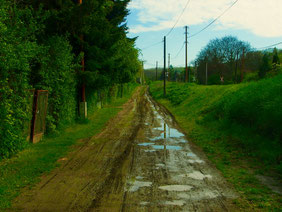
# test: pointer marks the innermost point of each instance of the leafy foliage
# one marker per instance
(222, 57)
(17, 49)
(265, 66)
(56, 74)
(41, 47)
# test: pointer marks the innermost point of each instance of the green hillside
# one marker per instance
(238, 126)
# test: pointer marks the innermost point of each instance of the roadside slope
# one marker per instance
(237, 150)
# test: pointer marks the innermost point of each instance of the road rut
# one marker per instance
(140, 162)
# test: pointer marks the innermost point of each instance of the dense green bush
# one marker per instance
(57, 75)
(41, 47)
(257, 105)
(252, 76)
(177, 92)
(18, 48)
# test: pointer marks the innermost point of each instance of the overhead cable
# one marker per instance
(179, 51)
(178, 18)
(152, 45)
(214, 20)
(266, 47)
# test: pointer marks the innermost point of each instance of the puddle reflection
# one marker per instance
(171, 132)
(146, 144)
(176, 187)
(168, 147)
(134, 186)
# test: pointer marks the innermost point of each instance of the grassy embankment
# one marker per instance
(238, 127)
(25, 169)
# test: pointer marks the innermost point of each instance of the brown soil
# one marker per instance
(140, 162)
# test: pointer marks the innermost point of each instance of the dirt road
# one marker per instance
(140, 162)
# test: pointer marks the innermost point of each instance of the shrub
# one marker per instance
(257, 105)
(18, 48)
(56, 74)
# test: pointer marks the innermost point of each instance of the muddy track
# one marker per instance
(140, 162)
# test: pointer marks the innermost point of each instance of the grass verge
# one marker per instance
(226, 143)
(28, 166)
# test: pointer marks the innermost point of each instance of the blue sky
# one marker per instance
(258, 22)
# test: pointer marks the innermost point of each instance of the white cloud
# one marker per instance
(262, 17)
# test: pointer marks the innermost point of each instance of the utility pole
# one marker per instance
(164, 66)
(243, 65)
(156, 70)
(206, 73)
(83, 103)
(195, 71)
(186, 57)
(142, 74)
(168, 67)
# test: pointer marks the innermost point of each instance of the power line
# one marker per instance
(214, 20)
(266, 47)
(152, 45)
(179, 51)
(178, 18)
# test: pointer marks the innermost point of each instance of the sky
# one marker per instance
(258, 22)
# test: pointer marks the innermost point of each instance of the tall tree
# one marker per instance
(275, 59)
(265, 66)
(221, 54)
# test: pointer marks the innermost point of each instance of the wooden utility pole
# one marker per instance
(243, 65)
(142, 74)
(195, 71)
(83, 103)
(186, 57)
(156, 70)
(164, 66)
(168, 68)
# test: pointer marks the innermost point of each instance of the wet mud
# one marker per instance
(140, 162)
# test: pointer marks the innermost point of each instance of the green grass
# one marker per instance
(25, 169)
(214, 118)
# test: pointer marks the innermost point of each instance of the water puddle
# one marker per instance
(149, 150)
(191, 154)
(168, 132)
(174, 133)
(157, 138)
(205, 194)
(183, 141)
(146, 144)
(144, 203)
(196, 175)
(135, 185)
(176, 187)
(168, 147)
(175, 202)
(196, 161)
(194, 158)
